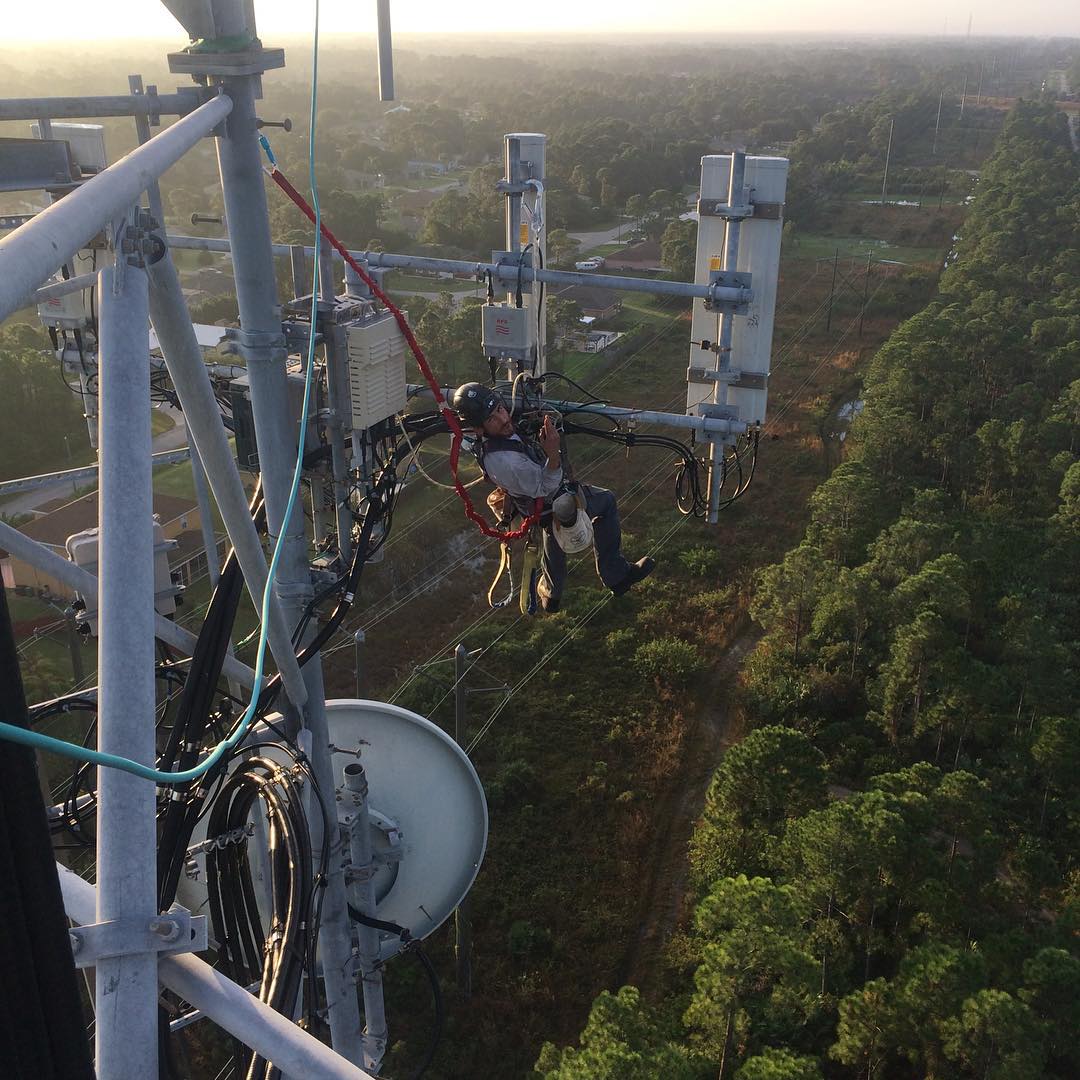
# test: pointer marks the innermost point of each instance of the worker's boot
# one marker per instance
(638, 572)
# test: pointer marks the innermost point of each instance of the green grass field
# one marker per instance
(160, 422)
(820, 246)
(603, 249)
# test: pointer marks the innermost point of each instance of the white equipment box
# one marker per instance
(376, 370)
(82, 550)
(506, 333)
(87, 142)
(71, 312)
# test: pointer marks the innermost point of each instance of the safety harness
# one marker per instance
(518, 504)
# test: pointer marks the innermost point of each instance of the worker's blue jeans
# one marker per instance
(611, 566)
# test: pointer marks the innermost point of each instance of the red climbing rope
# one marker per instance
(448, 414)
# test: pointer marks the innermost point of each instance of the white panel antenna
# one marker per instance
(764, 190)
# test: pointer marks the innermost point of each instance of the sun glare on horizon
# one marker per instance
(126, 19)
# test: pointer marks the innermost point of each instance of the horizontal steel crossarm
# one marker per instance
(77, 108)
(231, 1007)
(22, 547)
(89, 472)
(506, 274)
(704, 425)
(37, 249)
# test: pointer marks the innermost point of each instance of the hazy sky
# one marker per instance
(144, 18)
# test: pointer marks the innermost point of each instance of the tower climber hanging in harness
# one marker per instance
(526, 469)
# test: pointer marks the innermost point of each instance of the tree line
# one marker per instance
(886, 864)
(37, 406)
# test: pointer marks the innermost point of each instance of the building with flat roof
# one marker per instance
(180, 521)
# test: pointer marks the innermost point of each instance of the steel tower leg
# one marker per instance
(183, 358)
(276, 437)
(127, 985)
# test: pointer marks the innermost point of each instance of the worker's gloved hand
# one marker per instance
(496, 502)
(549, 437)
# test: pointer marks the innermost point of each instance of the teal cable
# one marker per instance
(112, 761)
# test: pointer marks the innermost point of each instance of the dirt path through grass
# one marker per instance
(664, 900)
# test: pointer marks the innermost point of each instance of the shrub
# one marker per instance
(670, 659)
(527, 941)
(701, 561)
(515, 782)
(620, 643)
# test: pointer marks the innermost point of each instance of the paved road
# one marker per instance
(590, 240)
(173, 439)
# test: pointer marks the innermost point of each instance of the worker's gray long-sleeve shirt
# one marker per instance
(520, 475)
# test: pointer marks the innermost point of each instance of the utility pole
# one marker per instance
(338, 414)
(358, 640)
(937, 123)
(865, 291)
(70, 465)
(832, 291)
(963, 96)
(78, 671)
(888, 155)
(462, 929)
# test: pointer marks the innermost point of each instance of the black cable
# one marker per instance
(437, 1001)
(282, 955)
(688, 485)
(380, 505)
(412, 945)
(186, 738)
(519, 300)
(182, 749)
(592, 398)
(60, 358)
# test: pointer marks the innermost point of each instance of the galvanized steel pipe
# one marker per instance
(271, 1035)
(503, 273)
(37, 249)
(126, 985)
(81, 108)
